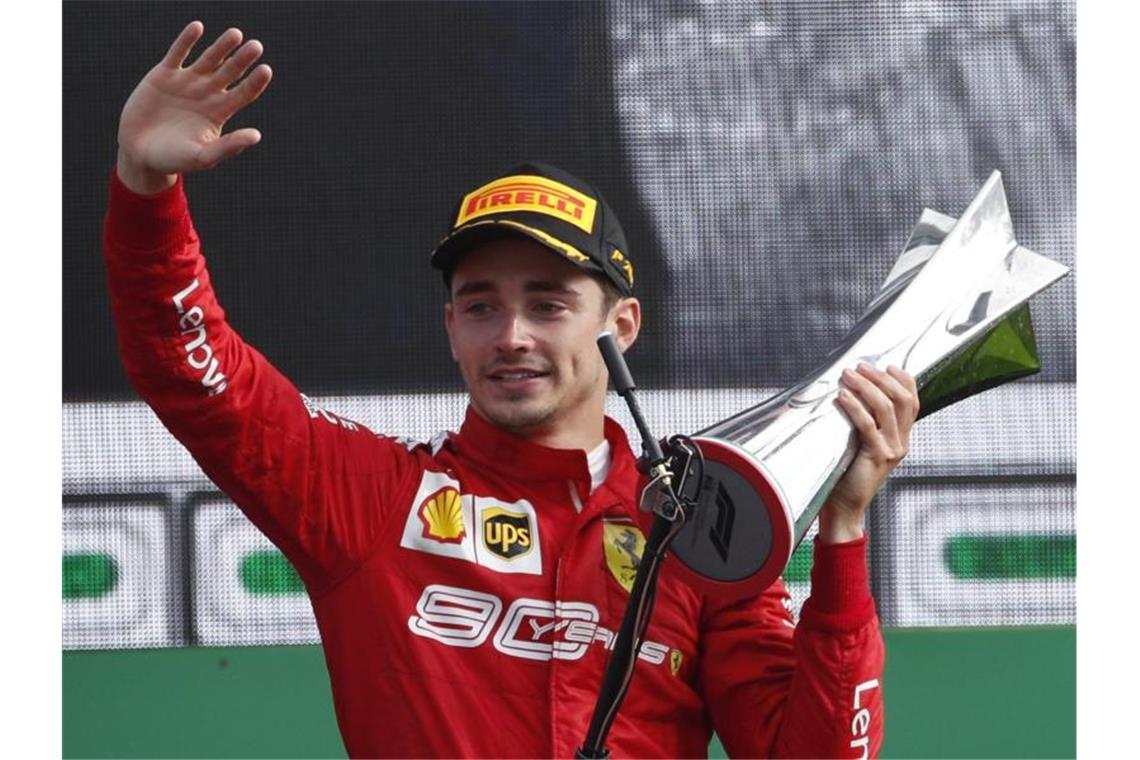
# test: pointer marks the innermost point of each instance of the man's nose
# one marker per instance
(514, 335)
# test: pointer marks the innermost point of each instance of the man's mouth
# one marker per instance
(516, 375)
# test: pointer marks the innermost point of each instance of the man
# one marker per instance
(467, 590)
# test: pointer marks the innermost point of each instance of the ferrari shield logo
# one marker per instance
(624, 544)
(675, 660)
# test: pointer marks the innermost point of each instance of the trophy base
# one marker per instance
(738, 539)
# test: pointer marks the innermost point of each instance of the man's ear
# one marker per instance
(449, 325)
(625, 322)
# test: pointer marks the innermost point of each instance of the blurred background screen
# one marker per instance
(767, 161)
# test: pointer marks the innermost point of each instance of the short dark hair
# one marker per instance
(610, 294)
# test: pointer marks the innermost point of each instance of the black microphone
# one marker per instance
(615, 363)
(624, 385)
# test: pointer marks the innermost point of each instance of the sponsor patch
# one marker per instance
(509, 541)
(506, 533)
(442, 516)
(199, 352)
(623, 544)
(482, 530)
(527, 192)
(530, 629)
(433, 525)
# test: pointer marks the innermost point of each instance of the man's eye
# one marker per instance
(477, 308)
(549, 307)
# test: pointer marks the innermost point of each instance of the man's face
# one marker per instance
(522, 324)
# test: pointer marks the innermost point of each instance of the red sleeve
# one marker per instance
(315, 484)
(812, 690)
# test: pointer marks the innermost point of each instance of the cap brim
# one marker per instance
(447, 253)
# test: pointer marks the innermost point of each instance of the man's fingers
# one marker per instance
(904, 377)
(249, 89)
(183, 44)
(865, 383)
(889, 384)
(213, 56)
(907, 381)
(227, 146)
(900, 387)
(236, 65)
(860, 417)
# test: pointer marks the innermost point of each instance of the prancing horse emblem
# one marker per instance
(624, 544)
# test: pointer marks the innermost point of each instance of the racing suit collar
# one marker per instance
(523, 460)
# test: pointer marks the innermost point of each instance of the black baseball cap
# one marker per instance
(548, 205)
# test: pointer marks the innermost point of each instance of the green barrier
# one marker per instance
(1000, 557)
(89, 575)
(989, 692)
(992, 692)
(268, 573)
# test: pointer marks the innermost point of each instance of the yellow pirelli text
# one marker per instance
(527, 192)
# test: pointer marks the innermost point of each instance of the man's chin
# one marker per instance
(517, 416)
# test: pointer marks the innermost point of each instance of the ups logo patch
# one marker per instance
(506, 533)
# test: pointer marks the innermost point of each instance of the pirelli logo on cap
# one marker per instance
(527, 192)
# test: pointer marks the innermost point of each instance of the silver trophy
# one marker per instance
(953, 312)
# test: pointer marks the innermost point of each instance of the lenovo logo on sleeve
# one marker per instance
(861, 721)
(199, 353)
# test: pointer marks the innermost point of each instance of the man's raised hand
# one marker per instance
(172, 122)
(882, 407)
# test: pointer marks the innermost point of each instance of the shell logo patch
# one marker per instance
(506, 533)
(442, 516)
(675, 661)
(623, 544)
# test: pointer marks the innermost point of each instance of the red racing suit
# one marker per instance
(464, 602)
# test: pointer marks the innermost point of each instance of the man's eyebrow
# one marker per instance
(475, 286)
(548, 286)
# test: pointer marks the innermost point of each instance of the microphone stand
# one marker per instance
(670, 510)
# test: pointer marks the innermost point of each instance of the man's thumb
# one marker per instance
(228, 146)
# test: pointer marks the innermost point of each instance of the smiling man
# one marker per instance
(531, 286)
(468, 590)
